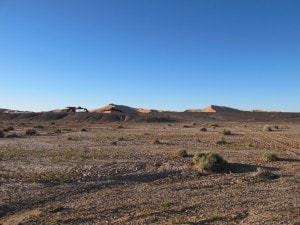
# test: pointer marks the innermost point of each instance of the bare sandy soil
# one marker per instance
(128, 173)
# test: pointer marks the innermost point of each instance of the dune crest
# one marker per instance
(122, 109)
(214, 109)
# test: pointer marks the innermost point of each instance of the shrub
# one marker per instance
(276, 127)
(264, 174)
(57, 131)
(267, 128)
(14, 135)
(113, 143)
(221, 142)
(1, 134)
(186, 126)
(120, 126)
(84, 130)
(8, 129)
(156, 141)
(214, 125)
(225, 132)
(39, 126)
(208, 161)
(30, 132)
(203, 129)
(269, 157)
(181, 153)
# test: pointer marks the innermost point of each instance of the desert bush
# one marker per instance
(30, 132)
(8, 129)
(267, 128)
(269, 157)
(276, 127)
(264, 174)
(181, 153)
(225, 132)
(221, 142)
(156, 141)
(121, 139)
(113, 143)
(203, 129)
(208, 161)
(120, 126)
(214, 125)
(57, 131)
(14, 135)
(2, 134)
(84, 130)
(186, 126)
(39, 127)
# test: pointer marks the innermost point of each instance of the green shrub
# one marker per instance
(276, 127)
(30, 132)
(269, 157)
(225, 132)
(208, 161)
(39, 127)
(181, 153)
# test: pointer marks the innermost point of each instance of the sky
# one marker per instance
(156, 54)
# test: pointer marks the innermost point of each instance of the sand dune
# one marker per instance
(214, 108)
(122, 109)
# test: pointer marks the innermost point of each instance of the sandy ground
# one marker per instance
(128, 174)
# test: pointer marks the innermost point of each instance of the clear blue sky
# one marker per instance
(161, 54)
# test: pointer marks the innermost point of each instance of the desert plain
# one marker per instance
(83, 168)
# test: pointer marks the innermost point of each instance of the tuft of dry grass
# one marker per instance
(181, 153)
(269, 157)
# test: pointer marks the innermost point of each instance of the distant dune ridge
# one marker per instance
(214, 109)
(114, 108)
(110, 108)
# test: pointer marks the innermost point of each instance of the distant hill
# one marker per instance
(11, 111)
(110, 108)
(214, 109)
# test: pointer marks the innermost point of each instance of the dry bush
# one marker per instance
(181, 153)
(156, 141)
(2, 134)
(225, 132)
(269, 157)
(264, 174)
(267, 128)
(208, 161)
(30, 132)
(8, 129)
(203, 129)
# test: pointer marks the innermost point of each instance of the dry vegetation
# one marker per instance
(143, 173)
